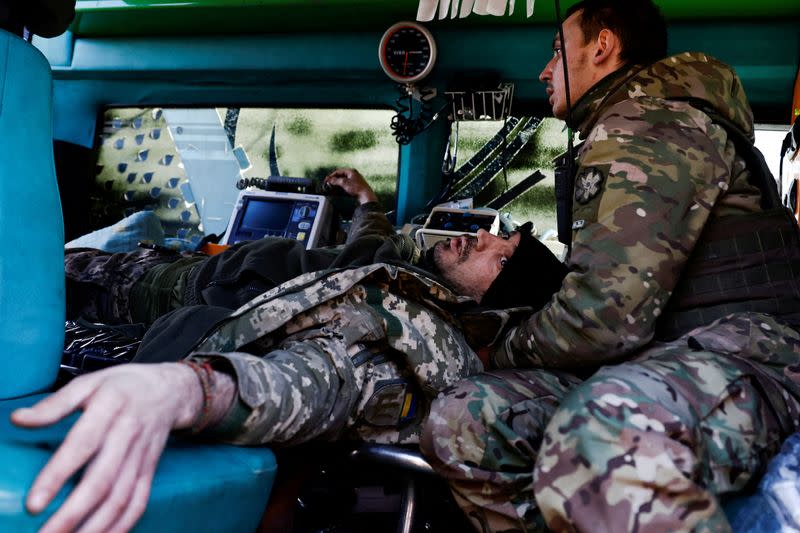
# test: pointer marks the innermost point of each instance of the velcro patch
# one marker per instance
(588, 184)
(392, 404)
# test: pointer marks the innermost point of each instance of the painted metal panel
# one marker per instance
(140, 17)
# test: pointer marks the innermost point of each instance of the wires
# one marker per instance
(258, 183)
(404, 126)
(451, 151)
(565, 185)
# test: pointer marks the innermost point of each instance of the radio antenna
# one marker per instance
(565, 218)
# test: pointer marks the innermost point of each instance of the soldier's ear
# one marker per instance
(607, 48)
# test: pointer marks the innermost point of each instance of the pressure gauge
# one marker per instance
(407, 52)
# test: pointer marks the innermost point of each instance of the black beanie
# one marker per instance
(529, 278)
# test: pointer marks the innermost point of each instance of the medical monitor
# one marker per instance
(258, 214)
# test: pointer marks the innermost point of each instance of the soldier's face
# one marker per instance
(470, 264)
(580, 75)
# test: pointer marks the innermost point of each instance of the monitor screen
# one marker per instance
(258, 214)
(270, 215)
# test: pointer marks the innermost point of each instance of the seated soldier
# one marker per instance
(323, 344)
(664, 372)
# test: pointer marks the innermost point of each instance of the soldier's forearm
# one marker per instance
(289, 397)
(224, 394)
(369, 219)
(208, 395)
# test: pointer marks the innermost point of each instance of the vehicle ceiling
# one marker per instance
(143, 17)
(302, 53)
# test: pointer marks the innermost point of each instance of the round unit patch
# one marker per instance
(588, 183)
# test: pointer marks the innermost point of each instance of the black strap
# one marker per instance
(779, 236)
(565, 171)
(760, 175)
(753, 270)
(513, 193)
(674, 325)
(742, 279)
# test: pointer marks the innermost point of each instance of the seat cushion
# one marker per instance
(197, 487)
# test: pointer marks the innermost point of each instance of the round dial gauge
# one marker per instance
(407, 52)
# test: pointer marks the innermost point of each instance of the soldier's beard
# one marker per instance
(430, 261)
(437, 264)
(435, 253)
(468, 246)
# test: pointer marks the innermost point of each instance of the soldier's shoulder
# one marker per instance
(647, 120)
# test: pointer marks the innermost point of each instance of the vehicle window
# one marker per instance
(180, 162)
(769, 139)
(548, 141)
(526, 149)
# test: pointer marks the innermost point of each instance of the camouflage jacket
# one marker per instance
(652, 170)
(356, 352)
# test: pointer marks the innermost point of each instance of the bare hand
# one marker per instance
(128, 412)
(353, 183)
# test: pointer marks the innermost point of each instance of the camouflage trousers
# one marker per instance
(645, 445)
(128, 287)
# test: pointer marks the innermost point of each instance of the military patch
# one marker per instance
(588, 184)
(389, 405)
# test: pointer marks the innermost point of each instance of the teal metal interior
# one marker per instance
(149, 17)
(290, 53)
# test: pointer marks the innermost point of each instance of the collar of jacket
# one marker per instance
(603, 93)
(687, 76)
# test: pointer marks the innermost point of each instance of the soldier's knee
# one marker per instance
(595, 432)
(447, 422)
(562, 462)
(490, 417)
(585, 426)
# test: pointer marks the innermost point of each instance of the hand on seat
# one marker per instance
(128, 412)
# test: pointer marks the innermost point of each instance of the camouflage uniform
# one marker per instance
(353, 353)
(659, 427)
(100, 284)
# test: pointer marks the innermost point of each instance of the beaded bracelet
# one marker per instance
(204, 373)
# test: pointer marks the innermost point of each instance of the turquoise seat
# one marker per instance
(31, 228)
(211, 488)
(197, 487)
